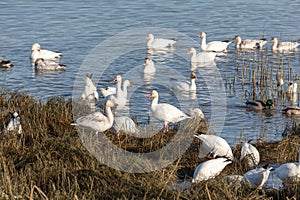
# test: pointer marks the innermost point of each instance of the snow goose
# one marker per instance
(37, 52)
(124, 124)
(289, 171)
(279, 80)
(248, 44)
(5, 63)
(257, 105)
(257, 177)
(185, 86)
(215, 146)
(216, 46)
(96, 120)
(250, 153)
(15, 123)
(165, 112)
(283, 46)
(209, 169)
(149, 67)
(90, 90)
(48, 65)
(108, 91)
(202, 57)
(158, 43)
(118, 89)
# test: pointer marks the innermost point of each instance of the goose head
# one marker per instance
(118, 79)
(153, 94)
(274, 40)
(192, 51)
(202, 35)
(150, 37)
(147, 62)
(237, 39)
(36, 46)
(110, 103)
(193, 75)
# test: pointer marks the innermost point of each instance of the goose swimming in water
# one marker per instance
(248, 44)
(48, 65)
(283, 46)
(159, 43)
(37, 52)
(215, 46)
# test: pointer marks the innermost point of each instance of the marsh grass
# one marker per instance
(49, 161)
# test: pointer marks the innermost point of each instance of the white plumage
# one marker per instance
(202, 57)
(292, 88)
(165, 112)
(248, 44)
(37, 52)
(90, 90)
(288, 170)
(48, 65)
(216, 46)
(158, 43)
(209, 169)
(14, 124)
(283, 46)
(97, 121)
(215, 145)
(125, 124)
(257, 177)
(185, 86)
(149, 67)
(250, 153)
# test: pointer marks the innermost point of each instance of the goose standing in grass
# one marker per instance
(209, 169)
(289, 171)
(90, 90)
(250, 153)
(14, 124)
(202, 57)
(257, 177)
(165, 112)
(5, 64)
(215, 46)
(159, 43)
(248, 44)
(97, 121)
(124, 124)
(283, 46)
(185, 86)
(149, 67)
(215, 146)
(48, 65)
(37, 52)
(257, 105)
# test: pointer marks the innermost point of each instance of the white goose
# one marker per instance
(292, 88)
(90, 90)
(113, 90)
(48, 65)
(248, 44)
(149, 67)
(15, 123)
(158, 43)
(257, 177)
(283, 46)
(125, 124)
(209, 169)
(185, 86)
(165, 112)
(202, 57)
(37, 52)
(288, 170)
(249, 152)
(216, 46)
(97, 121)
(108, 91)
(215, 145)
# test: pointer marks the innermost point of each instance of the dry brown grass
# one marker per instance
(48, 161)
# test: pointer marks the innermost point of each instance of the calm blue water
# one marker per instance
(75, 28)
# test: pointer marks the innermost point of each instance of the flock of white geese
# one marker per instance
(116, 97)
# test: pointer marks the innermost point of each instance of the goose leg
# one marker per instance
(166, 128)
